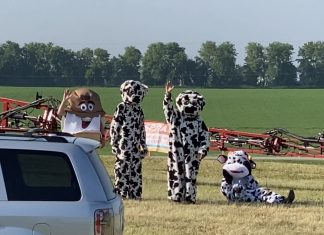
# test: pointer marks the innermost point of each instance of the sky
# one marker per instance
(116, 24)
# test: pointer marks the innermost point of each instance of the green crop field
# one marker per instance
(256, 110)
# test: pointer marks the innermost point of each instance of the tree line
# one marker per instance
(46, 64)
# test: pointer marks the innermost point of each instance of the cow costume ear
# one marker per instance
(253, 164)
(222, 158)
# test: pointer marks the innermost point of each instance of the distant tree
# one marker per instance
(154, 69)
(85, 60)
(241, 76)
(176, 59)
(222, 62)
(37, 58)
(11, 61)
(126, 66)
(311, 64)
(225, 65)
(207, 55)
(197, 72)
(131, 61)
(254, 68)
(215, 65)
(117, 74)
(163, 62)
(101, 67)
(95, 65)
(280, 69)
(63, 66)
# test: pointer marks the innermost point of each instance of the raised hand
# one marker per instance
(169, 87)
(67, 95)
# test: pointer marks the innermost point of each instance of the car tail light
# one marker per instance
(104, 222)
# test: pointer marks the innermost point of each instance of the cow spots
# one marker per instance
(129, 139)
(188, 137)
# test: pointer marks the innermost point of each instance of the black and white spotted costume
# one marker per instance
(128, 140)
(239, 185)
(189, 140)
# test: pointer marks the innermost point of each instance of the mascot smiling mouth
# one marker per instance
(236, 172)
(85, 122)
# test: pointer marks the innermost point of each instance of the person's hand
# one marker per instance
(102, 142)
(67, 95)
(143, 153)
(237, 188)
(114, 150)
(169, 87)
(201, 156)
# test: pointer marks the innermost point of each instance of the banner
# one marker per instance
(157, 136)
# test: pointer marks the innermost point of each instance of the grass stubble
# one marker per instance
(212, 214)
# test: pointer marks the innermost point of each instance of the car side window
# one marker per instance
(31, 175)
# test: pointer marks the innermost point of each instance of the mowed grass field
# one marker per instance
(254, 110)
(213, 215)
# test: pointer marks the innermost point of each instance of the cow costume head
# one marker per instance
(236, 165)
(86, 105)
(190, 103)
(133, 91)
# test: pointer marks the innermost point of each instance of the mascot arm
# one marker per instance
(252, 183)
(232, 192)
(227, 189)
(143, 136)
(168, 108)
(204, 136)
(115, 127)
(102, 126)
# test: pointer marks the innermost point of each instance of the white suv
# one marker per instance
(56, 185)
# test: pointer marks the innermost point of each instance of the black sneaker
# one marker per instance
(188, 201)
(291, 197)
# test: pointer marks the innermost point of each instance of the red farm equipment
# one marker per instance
(21, 116)
(276, 142)
(41, 115)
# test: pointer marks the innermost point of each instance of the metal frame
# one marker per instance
(277, 142)
(18, 116)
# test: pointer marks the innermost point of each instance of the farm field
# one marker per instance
(254, 110)
(301, 111)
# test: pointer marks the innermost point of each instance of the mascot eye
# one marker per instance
(90, 106)
(186, 102)
(83, 107)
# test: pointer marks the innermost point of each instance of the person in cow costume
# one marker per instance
(189, 143)
(128, 140)
(239, 185)
(82, 114)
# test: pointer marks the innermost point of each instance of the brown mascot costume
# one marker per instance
(82, 114)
